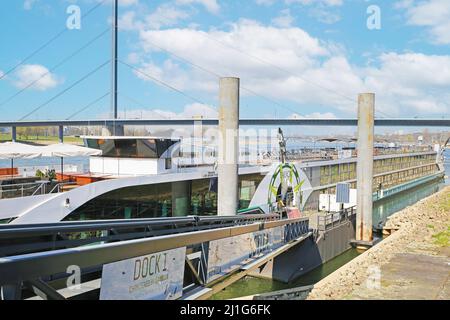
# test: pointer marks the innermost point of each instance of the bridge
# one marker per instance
(401, 122)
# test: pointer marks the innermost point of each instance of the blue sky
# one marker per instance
(296, 58)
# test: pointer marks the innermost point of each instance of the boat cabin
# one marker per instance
(131, 156)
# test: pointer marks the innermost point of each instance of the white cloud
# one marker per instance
(128, 21)
(264, 2)
(314, 115)
(284, 20)
(126, 3)
(122, 3)
(411, 84)
(432, 14)
(28, 4)
(28, 73)
(322, 10)
(330, 3)
(189, 111)
(210, 5)
(287, 64)
(324, 15)
(165, 15)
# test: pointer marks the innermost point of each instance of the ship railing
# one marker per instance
(334, 219)
(59, 187)
(27, 189)
(70, 234)
(20, 190)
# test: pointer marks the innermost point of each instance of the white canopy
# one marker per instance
(15, 150)
(68, 150)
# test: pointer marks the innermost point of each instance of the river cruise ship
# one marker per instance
(148, 177)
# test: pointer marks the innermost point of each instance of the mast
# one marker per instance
(114, 61)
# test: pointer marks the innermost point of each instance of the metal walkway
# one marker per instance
(38, 259)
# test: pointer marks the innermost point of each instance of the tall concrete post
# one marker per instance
(61, 134)
(13, 134)
(366, 113)
(228, 147)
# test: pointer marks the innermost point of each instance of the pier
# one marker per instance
(399, 267)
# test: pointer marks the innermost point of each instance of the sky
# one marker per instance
(295, 58)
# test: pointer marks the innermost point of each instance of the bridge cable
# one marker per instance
(141, 105)
(88, 105)
(162, 83)
(51, 40)
(220, 76)
(65, 90)
(55, 67)
(283, 70)
(278, 67)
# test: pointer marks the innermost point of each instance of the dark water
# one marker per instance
(382, 209)
(250, 286)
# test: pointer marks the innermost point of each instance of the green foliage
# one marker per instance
(48, 174)
(443, 239)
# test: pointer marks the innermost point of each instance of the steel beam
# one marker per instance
(406, 122)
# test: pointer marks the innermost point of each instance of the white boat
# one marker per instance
(147, 177)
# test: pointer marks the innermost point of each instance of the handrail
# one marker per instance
(32, 266)
(330, 220)
(44, 237)
(61, 184)
(37, 186)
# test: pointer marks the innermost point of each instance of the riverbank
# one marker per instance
(412, 263)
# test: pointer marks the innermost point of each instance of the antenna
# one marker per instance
(114, 61)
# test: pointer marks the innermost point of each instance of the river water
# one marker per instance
(382, 209)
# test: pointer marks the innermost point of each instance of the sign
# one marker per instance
(225, 254)
(343, 193)
(157, 276)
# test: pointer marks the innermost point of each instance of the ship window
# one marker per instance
(168, 163)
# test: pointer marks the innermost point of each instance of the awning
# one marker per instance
(16, 150)
(64, 150)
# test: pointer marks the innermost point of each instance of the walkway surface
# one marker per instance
(412, 263)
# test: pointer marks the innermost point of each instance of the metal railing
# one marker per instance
(331, 220)
(49, 270)
(58, 187)
(22, 239)
(21, 190)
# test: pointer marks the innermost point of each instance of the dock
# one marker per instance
(413, 262)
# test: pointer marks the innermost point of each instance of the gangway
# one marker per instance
(41, 260)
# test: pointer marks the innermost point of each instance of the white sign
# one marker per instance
(158, 276)
(225, 254)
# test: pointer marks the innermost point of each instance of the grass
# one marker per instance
(445, 204)
(442, 239)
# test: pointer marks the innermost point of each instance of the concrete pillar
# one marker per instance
(14, 134)
(61, 134)
(366, 112)
(181, 198)
(228, 147)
